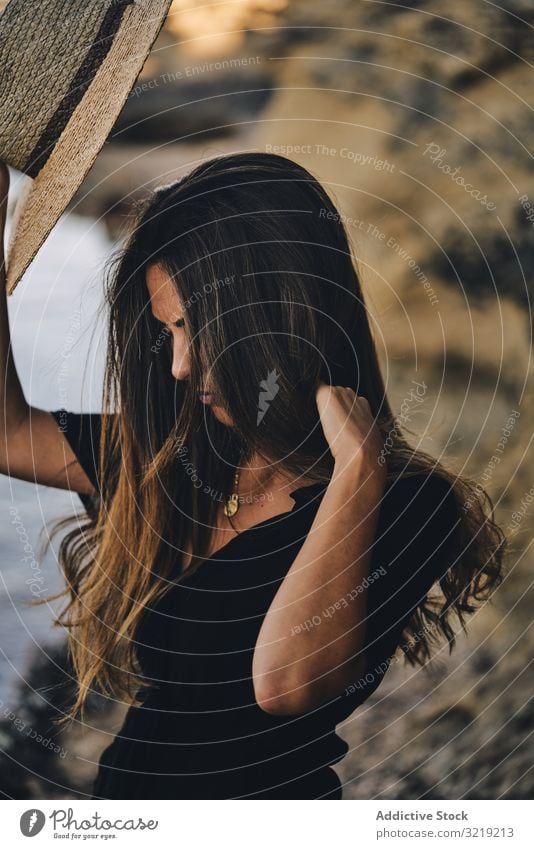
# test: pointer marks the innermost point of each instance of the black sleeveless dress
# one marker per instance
(199, 733)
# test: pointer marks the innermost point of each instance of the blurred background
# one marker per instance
(418, 119)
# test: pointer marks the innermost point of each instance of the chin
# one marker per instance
(222, 416)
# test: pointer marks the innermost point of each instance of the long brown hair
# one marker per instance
(262, 264)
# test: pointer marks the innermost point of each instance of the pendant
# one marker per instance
(232, 505)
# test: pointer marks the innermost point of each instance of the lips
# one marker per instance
(206, 397)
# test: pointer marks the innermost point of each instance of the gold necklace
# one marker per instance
(231, 505)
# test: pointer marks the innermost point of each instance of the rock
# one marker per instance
(38, 759)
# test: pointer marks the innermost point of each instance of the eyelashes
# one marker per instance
(163, 337)
(180, 322)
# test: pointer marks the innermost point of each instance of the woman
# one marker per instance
(260, 539)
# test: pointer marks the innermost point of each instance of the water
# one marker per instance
(53, 313)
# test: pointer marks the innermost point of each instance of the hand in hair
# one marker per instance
(350, 429)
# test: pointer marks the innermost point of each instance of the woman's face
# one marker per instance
(167, 308)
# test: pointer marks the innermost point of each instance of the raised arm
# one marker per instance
(32, 446)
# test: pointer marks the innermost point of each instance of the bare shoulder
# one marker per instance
(36, 450)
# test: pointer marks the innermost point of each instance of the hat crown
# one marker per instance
(66, 70)
(50, 51)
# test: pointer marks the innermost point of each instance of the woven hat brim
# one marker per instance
(45, 198)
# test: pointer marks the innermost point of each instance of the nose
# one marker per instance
(180, 358)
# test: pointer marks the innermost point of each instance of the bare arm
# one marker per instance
(309, 646)
(297, 666)
(32, 447)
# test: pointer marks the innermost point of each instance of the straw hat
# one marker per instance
(66, 70)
